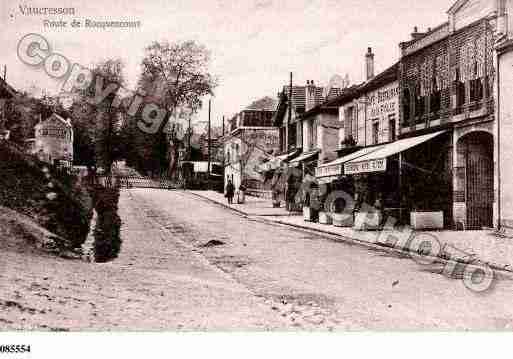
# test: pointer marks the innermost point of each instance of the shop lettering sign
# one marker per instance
(377, 165)
(333, 170)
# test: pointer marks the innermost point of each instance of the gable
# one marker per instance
(465, 12)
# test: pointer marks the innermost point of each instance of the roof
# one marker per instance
(201, 166)
(320, 109)
(348, 94)
(304, 156)
(299, 96)
(383, 78)
(58, 118)
(7, 89)
(299, 100)
(454, 7)
(264, 104)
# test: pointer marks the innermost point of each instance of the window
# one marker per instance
(292, 135)
(350, 125)
(460, 89)
(406, 107)
(435, 99)
(476, 90)
(299, 134)
(419, 104)
(375, 132)
(391, 128)
(314, 133)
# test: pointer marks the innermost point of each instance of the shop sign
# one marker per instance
(333, 170)
(375, 165)
(326, 180)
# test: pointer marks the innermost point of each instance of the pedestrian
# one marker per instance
(230, 191)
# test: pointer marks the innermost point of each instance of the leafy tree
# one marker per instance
(98, 123)
(176, 77)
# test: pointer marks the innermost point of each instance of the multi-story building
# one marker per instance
(252, 140)
(368, 115)
(215, 144)
(309, 127)
(53, 142)
(448, 82)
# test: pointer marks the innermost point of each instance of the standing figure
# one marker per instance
(230, 191)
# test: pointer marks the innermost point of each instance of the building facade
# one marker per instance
(504, 115)
(448, 81)
(252, 141)
(53, 142)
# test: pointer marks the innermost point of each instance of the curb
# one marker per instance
(378, 245)
(238, 211)
(342, 238)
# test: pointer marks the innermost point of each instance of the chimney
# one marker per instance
(369, 64)
(310, 98)
(416, 34)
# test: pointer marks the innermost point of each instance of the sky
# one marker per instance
(254, 44)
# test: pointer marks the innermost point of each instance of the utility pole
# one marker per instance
(5, 71)
(189, 134)
(223, 125)
(289, 120)
(208, 168)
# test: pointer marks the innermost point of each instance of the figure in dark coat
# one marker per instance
(230, 191)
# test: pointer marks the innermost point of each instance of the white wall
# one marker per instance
(506, 133)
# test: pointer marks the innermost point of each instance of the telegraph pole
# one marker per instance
(189, 134)
(208, 168)
(289, 120)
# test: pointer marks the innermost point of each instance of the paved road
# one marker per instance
(171, 275)
(313, 282)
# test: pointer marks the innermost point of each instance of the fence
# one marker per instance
(260, 193)
(146, 182)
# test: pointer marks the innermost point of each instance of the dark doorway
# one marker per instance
(478, 147)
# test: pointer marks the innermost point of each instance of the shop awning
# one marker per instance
(376, 161)
(277, 161)
(336, 167)
(303, 157)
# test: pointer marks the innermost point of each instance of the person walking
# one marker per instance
(230, 191)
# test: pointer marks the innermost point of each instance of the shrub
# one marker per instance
(107, 238)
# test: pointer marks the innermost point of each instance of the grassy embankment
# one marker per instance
(55, 201)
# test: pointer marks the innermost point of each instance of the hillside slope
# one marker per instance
(57, 202)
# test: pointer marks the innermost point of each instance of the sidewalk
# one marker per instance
(465, 246)
(253, 206)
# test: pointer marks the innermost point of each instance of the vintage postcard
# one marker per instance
(259, 165)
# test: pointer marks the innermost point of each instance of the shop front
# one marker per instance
(391, 186)
(337, 189)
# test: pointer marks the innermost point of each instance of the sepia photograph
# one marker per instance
(258, 166)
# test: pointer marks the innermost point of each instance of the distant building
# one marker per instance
(251, 141)
(53, 142)
(215, 144)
